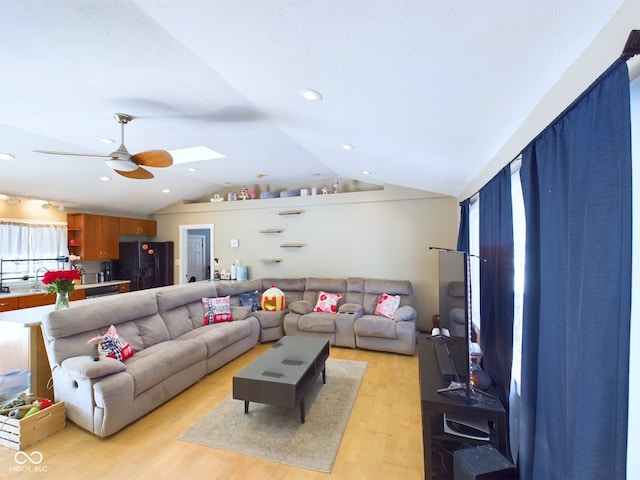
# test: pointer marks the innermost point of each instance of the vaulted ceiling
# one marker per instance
(427, 92)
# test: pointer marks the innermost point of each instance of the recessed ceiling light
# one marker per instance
(105, 178)
(166, 190)
(366, 172)
(347, 146)
(7, 156)
(192, 169)
(310, 95)
(107, 140)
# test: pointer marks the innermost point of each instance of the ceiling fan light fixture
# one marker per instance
(121, 165)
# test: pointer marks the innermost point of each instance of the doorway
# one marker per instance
(196, 252)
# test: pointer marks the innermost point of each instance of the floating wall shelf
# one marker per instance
(292, 245)
(291, 212)
(272, 230)
(270, 260)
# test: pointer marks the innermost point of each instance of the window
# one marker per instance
(474, 250)
(22, 240)
(519, 239)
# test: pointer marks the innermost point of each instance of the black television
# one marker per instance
(453, 351)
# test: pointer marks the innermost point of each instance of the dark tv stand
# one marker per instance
(434, 405)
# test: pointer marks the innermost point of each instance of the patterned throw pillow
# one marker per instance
(327, 302)
(387, 305)
(216, 310)
(111, 345)
(251, 299)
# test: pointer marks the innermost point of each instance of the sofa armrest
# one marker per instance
(86, 367)
(406, 313)
(301, 307)
(350, 308)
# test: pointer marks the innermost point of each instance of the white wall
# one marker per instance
(381, 234)
(600, 54)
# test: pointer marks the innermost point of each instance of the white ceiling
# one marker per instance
(428, 91)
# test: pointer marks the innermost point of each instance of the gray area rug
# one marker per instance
(276, 434)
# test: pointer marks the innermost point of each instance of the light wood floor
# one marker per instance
(383, 439)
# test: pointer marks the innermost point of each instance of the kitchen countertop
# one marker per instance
(32, 317)
(22, 293)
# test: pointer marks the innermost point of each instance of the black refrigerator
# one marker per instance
(146, 264)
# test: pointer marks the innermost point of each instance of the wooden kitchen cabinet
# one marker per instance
(94, 237)
(138, 226)
(8, 303)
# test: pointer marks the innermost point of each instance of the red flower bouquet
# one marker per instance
(60, 281)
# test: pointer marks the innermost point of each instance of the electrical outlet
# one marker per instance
(234, 243)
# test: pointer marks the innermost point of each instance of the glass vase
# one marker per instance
(62, 300)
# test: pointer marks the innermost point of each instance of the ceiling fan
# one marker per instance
(125, 164)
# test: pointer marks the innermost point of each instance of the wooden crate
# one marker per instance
(20, 434)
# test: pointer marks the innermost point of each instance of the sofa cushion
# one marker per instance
(217, 310)
(269, 319)
(179, 295)
(159, 362)
(317, 322)
(178, 320)
(218, 336)
(387, 305)
(301, 307)
(327, 302)
(375, 326)
(373, 288)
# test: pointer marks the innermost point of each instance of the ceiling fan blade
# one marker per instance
(153, 158)
(137, 174)
(51, 152)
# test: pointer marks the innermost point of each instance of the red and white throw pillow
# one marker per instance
(387, 305)
(111, 345)
(216, 310)
(327, 302)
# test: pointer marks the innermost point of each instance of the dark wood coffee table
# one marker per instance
(282, 375)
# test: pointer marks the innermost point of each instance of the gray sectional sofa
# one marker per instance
(173, 349)
(355, 324)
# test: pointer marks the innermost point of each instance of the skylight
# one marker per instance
(195, 154)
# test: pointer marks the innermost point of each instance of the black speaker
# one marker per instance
(482, 463)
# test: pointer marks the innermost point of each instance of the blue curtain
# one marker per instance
(463, 229)
(576, 181)
(496, 281)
